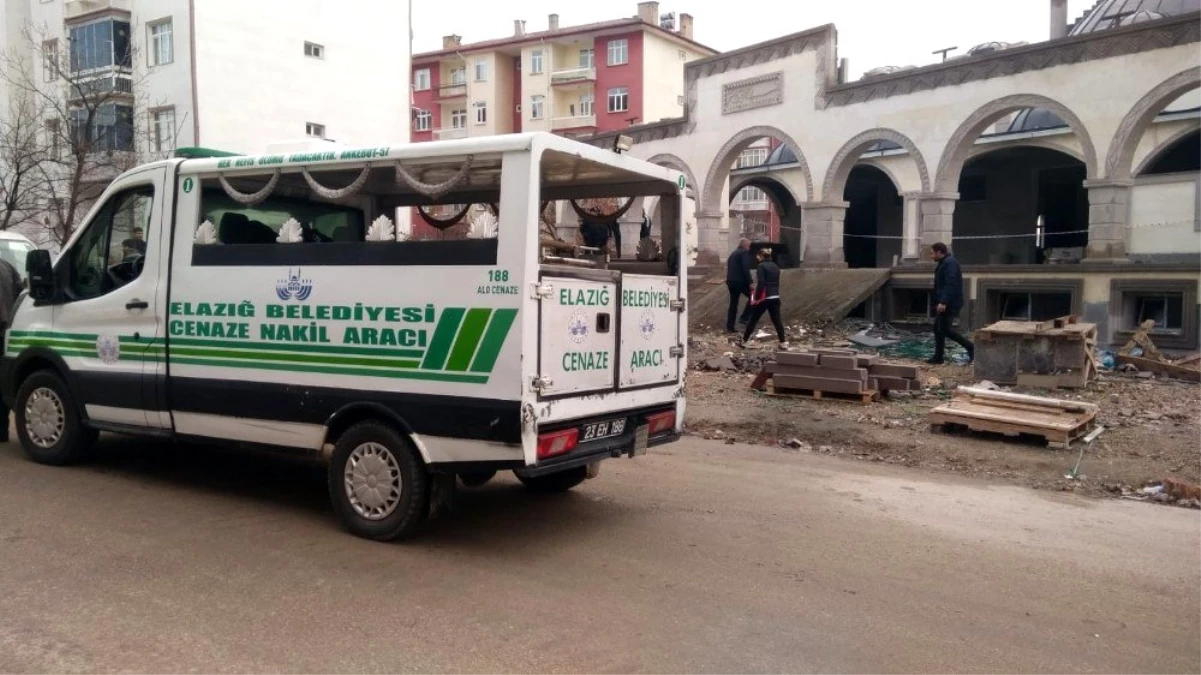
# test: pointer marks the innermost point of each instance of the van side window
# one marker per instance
(111, 251)
(261, 224)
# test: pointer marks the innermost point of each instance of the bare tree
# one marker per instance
(22, 158)
(92, 118)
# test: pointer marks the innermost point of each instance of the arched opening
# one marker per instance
(1021, 205)
(874, 221)
(764, 210)
(1180, 156)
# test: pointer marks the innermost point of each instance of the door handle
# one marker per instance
(137, 304)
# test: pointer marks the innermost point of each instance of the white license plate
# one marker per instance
(599, 430)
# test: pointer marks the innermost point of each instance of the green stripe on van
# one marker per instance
(468, 339)
(300, 347)
(391, 373)
(444, 335)
(494, 339)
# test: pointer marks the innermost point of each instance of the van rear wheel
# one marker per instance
(378, 483)
(559, 481)
(48, 422)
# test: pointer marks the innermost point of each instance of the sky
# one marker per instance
(871, 33)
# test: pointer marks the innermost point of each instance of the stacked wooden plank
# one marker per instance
(827, 373)
(1059, 422)
(1045, 354)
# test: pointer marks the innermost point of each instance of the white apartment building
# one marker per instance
(233, 75)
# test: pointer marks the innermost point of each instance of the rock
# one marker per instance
(1146, 375)
(933, 382)
(986, 384)
(798, 444)
(718, 434)
(1114, 398)
(724, 364)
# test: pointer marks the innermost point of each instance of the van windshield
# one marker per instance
(240, 224)
(14, 252)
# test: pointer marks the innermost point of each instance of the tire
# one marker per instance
(560, 481)
(474, 479)
(48, 422)
(373, 455)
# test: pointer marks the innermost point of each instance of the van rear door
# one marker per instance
(650, 330)
(577, 341)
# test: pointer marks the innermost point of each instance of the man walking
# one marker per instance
(738, 280)
(766, 299)
(10, 288)
(948, 298)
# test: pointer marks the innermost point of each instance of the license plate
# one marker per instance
(599, 430)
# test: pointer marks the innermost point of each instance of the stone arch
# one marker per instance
(1044, 143)
(1130, 131)
(959, 146)
(674, 162)
(848, 155)
(749, 181)
(719, 170)
(1164, 147)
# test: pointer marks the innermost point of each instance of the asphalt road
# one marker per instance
(699, 557)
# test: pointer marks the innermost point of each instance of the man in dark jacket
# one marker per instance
(738, 280)
(766, 298)
(11, 286)
(948, 300)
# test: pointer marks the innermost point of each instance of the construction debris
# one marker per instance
(1059, 422)
(1140, 352)
(833, 373)
(1043, 354)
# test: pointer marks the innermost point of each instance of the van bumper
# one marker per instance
(609, 448)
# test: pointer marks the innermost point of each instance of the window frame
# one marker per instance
(618, 48)
(155, 137)
(458, 118)
(155, 42)
(589, 62)
(315, 130)
(587, 104)
(458, 76)
(427, 116)
(480, 70)
(66, 269)
(417, 78)
(537, 107)
(481, 112)
(51, 54)
(623, 97)
(314, 50)
(536, 62)
(1125, 292)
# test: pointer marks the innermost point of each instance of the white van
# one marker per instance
(271, 302)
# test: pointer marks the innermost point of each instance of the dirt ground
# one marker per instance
(1153, 427)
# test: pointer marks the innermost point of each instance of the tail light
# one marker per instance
(558, 443)
(661, 422)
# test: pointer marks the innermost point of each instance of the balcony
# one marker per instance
(451, 91)
(572, 122)
(101, 84)
(450, 134)
(77, 9)
(573, 76)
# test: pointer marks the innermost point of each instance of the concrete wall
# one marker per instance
(535, 84)
(256, 86)
(1164, 219)
(663, 76)
(167, 85)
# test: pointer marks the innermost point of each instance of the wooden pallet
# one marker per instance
(1058, 422)
(863, 398)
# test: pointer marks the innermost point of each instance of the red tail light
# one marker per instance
(558, 443)
(661, 422)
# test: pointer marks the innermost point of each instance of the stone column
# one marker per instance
(938, 220)
(711, 240)
(823, 234)
(790, 233)
(911, 217)
(1108, 215)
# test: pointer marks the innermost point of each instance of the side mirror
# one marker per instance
(41, 275)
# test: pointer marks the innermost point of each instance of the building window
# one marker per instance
(536, 62)
(52, 138)
(422, 120)
(110, 127)
(619, 52)
(587, 58)
(481, 70)
(50, 62)
(586, 101)
(1165, 309)
(314, 50)
(162, 129)
(619, 99)
(751, 157)
(421, 79)
(458, 76)
(536, 103)
(162, 46)
(481, 112)
(102, 44)
(458, 119)
(314, 130)
(751, 199)
(1169, 303)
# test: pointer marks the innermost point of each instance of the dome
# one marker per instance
(781, 155)
(886, 70)
(1035, 119)
(1108, 14)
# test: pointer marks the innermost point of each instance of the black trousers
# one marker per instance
(771, 307)
(737, 290)
(943, 329)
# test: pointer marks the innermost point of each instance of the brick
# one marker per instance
(889, 370)
(791, 359)
(872, 384)
(859, 374)
(885, 383)
(838, 362)
(818, 384)
(865, 360)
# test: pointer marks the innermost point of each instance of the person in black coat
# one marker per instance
(948, 300)
(738, 280)
(766, 298)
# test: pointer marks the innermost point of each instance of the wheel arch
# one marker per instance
(352, 413)
(34, 359)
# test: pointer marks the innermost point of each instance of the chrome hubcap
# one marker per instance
(372, 481)
(44, 417)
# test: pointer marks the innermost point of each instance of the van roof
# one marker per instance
(565, 163)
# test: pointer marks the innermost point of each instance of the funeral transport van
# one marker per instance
(273, 302)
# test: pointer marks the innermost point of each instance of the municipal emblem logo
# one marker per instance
(294, 286)
(646, 325)
(577, 328)
(108, 348)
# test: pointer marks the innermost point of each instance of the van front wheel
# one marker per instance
(48, 422)
(377, 482)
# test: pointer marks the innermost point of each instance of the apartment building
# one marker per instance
(228, 74)
(566, 79)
